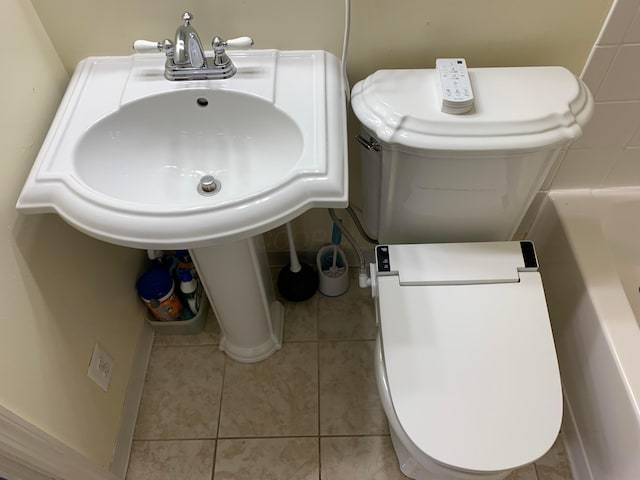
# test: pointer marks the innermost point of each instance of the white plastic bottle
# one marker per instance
(189, 289)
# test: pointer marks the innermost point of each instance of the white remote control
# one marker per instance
(457, 95)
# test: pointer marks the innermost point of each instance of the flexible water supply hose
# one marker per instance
(345, 48)
(363, 279)
(358, 225)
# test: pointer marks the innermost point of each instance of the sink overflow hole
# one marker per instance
(202, 102)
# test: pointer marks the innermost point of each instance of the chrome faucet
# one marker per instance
(186, 59)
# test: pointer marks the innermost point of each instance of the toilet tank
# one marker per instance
(439, 177)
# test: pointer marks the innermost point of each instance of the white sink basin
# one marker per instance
(137, 154)
(127, 149)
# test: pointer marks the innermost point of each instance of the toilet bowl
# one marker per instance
(465, 360)
(466, 364)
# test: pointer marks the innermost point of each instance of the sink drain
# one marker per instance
(209, 186)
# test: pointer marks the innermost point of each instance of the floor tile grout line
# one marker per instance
(316, 314)
(319, 460)
(213, 464)
(322, 340)
(535, 469)
(270, 437)
(217, 439)
(177, 345)
(319, 408)
(224, 373)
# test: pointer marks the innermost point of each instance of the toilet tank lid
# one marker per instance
(515, 108)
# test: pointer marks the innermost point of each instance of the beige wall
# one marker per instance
(61, 291)
(385, 34)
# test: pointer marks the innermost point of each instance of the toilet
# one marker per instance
(465, 361)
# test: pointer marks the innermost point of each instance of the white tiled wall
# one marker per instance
(608, 154)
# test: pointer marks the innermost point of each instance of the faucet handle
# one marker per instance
(238, 43)
(221, 59)
(147, 46)
(219, 44)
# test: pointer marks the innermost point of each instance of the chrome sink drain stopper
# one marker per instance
(209, 186)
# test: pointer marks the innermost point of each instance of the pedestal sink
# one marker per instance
(127, 150)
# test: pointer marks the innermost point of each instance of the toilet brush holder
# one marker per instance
(333, 271)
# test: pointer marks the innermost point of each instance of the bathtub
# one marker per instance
(588, 245)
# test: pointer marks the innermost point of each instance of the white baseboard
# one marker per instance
(573, 445)
(122, 450)
(28, 453)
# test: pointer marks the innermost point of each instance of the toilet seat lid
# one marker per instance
(472, 370)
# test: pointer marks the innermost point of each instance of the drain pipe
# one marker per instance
(363, 279)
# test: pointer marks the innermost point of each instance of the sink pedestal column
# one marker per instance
(237, 280)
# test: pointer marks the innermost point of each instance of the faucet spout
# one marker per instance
(188, 47)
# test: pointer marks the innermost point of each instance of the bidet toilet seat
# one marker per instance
(468, 352)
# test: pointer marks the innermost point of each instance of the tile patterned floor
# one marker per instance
(309, 412)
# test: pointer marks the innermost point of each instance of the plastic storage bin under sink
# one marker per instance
(181, 327)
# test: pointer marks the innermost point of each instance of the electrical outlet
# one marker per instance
(100, 367)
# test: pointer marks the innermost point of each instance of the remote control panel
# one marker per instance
(457, 95)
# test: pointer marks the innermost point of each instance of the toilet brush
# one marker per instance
(332, 267)
(296, 282)
(334, 270)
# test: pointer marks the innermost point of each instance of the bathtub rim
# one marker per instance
(595, 260)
